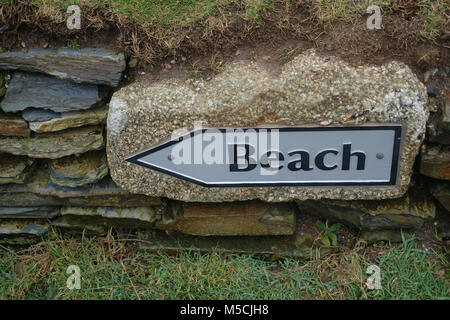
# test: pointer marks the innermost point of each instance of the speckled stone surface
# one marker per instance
(311, 90)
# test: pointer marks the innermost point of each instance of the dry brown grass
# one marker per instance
(151, 33)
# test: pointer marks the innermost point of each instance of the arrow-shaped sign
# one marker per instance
(300, 156)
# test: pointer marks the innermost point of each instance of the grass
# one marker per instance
(152, 30)
(111, 269)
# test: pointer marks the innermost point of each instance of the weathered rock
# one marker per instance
(102, 193)
(432, 90)
(73, 119)
(435, 162)
(406, 212)
(116, 217)
(16, 199)
(270, 247)
(443, 227)
(438, 126)
(79, 170)
(2, 84)
(445, 121)
(28, 200)
(392, 235)
(91, 65)
(97, 220)
(11, 125)
(28, 90)
(441, 191)
(18, 232)
(40, 183)
(14, 169)
(436, 133)
(75, 225)
(29, 212)
(34, 114)
(252, 218)
(311, 89)
(2, 91)
(55, 145)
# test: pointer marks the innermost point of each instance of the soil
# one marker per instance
(275, 39)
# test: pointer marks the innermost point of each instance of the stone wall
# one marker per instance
(61, 167)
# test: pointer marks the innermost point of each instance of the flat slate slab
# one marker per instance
(435, 162)
(77, 171)
(73, 119)
(32, 90)
(271, 247)
(118, 217)
(14, 169)
(21, 232)
(89, 65)
(39, 115)
(28, 212)
(408, 212)
(55, 145)
(39, 189)
(20, 199)
(441, 191)
(248, 218)
(13, 126)
(312, 90)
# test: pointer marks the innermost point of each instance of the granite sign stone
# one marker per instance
(313, 91)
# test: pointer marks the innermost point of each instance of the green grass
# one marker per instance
(112, 270)
(171, 14)
(156, 13)
(153, 30)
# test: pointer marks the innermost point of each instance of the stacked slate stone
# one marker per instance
(55, 168)
(311, 90)
(53, 164)
(435, 152)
